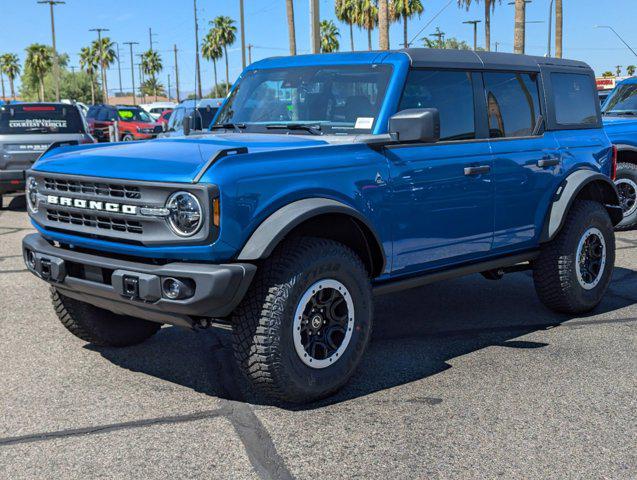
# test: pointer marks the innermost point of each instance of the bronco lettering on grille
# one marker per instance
(91, 205)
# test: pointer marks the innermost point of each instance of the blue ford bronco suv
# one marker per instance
(325, 180)
(620, 122)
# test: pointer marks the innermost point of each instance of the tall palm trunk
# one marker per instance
(291, 27)
(41, 80)
(12, 88)
(405, 36)
(2, 82)
(214, 64)
(92, 75)
(520, 26)
(104, 85)
(225, 54)
(369, 39)
(383, 24)
(351, 35)
(487, 24)
(155, 87)
(559, 21)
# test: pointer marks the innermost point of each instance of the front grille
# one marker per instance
(94, 221)
(92, 188)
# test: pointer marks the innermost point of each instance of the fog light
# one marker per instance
(30, 257)
(177, 289)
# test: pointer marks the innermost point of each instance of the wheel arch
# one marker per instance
(626, 153)
(318, 217)
(585, 185)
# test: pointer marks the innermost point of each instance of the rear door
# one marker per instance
(27, 130)
(527, 161)
(442, 194)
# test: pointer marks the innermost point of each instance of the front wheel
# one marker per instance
(303, 327)
(626, 183)
(573, 270)
(128, 138)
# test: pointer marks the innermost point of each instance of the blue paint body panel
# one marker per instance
(426, 211)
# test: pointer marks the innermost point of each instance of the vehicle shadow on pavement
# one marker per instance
(416, 335)
(17, 203)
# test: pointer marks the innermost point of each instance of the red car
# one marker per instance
(133, 123)
(165, 115)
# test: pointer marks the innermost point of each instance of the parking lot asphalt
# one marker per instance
(464, 379)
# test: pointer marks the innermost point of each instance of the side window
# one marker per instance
(92, 112)
(513, 103)
(102, 115)
(574, 98)
(451, 92)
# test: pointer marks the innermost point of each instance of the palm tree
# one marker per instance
(152, 65)
(618, 70)
(10, 65)
(39, 62)
(289, 7)
(2, 77)
(383, 24)
(329, 37)
(630, 70)
(489, 7)
(152, 86)
(226, 34)
(366, 15)
(211, 50)
(89, 61)
(519, 31)
(406, 9)
(106, 56)
(559, 24)
(346, 12)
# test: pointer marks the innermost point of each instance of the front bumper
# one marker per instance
(11, 181)
(105, 282)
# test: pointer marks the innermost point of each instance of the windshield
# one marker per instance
(622, 101)
(134, 115)
(338, 99)
(23, 119)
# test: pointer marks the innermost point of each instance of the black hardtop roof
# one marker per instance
(430, 57)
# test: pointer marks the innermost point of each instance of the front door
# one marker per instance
(442, 194)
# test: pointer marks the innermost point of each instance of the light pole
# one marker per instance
(197, 64)
(119, 69)
(315, 26)
(618, 36)
(243, 34)
(56, 63)
(132, 68)
(475, 31)
(548, 48)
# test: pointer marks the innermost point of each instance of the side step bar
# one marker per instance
(437, 276)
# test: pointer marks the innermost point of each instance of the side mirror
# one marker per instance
(420, 125)
(186, 125)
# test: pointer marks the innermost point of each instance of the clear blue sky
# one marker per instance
(25, 22)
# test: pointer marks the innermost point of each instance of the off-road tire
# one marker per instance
(627, 171)
(98, 326)
(554, 272)
(263, 323)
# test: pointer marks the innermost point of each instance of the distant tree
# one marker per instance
(618, 70)
(106, 56)
(226, 35)
(630, 70)
(406, 9)
(38, 63)
(329, 37)
(212, 51)
(367, 17)
(10, 66)
(345, 11)
(219, 91)
(489, 7)
(89, 63)
(152, 66)
(152, 86)
(608, 74)
(450, 43)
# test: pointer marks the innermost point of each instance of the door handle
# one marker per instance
(477, 170)
(548, 162)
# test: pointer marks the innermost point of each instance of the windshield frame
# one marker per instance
(325, 126)
(619, 90)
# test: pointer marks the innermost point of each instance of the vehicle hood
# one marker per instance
(176, 160)
(619, 121)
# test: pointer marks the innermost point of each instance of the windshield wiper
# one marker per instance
(237, 127)
(625, 112)
(313, 129)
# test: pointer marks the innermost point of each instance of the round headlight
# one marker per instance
(32, 194)
(186, 216)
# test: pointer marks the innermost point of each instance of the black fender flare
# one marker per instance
(623, 147)
(280, 223)
(568, 191)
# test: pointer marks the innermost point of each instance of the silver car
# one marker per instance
(27, 130)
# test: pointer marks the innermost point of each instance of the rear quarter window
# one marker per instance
(575, 100)
(24, 119)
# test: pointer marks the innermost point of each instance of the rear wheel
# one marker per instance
(98, 326)
(626, 183)
(303, 327)
(128, 138)
(573, 271)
